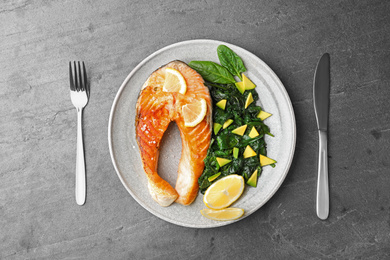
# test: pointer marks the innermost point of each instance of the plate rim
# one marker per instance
(205, 41)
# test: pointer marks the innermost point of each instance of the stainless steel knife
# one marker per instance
(321, 107)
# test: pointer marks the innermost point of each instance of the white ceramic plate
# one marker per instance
(125, 154)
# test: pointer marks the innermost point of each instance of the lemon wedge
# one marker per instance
(174, 81)
(223, 214)
(194, 113)
(222, 193)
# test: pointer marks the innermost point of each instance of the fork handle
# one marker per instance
(80, 162)
(322, 184)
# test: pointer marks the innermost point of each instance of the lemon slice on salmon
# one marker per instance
(223, 214)
(194, 113)
(224, 192)
(174, 81)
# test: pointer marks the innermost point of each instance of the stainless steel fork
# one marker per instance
(79, 94)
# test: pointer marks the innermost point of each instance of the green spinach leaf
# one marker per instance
(230, 60)
(212, 72)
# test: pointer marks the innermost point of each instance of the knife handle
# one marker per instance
(322, 184)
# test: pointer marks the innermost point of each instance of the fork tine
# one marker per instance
(85, 83)
(76, 82)
(72, 87)
(79, 77)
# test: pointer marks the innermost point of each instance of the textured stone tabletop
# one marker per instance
(39, 218)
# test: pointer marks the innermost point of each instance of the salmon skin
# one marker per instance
(155, 110)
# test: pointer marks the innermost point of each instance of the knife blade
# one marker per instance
(321, 108)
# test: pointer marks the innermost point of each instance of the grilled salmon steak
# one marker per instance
(155, 110)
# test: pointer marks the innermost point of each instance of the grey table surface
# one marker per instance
(39, 218)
